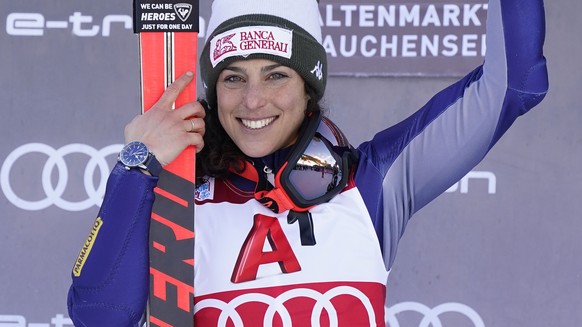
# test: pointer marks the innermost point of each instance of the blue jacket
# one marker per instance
(400, 170)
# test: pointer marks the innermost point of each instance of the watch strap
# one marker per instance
(153, 165)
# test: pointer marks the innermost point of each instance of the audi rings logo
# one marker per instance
(54, 190)
(431, 317)
(276, 305)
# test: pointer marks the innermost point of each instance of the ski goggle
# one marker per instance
(316, 169)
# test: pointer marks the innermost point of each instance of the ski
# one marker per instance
(168, 36)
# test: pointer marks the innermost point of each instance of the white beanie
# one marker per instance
(284, 31)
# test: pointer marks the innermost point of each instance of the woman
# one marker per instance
(291, 210)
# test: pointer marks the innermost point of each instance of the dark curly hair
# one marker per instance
(220, 153)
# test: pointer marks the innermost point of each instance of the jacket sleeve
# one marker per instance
(110, 278)
(408, 165)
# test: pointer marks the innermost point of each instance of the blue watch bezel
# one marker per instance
(136, 154)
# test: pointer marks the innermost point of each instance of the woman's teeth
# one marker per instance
(256, 124)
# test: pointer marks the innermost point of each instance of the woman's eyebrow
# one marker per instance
(235, 69)
(270, 67)
(264, 69)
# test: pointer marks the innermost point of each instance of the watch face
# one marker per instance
(134, 154)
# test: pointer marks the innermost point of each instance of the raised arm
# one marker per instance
(419, 158)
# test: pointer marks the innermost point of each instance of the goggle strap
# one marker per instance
(275, 200)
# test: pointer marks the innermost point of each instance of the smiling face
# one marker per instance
(261, 105)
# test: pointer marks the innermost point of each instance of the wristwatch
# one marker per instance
(137, 155)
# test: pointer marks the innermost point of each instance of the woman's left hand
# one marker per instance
(165, 131)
